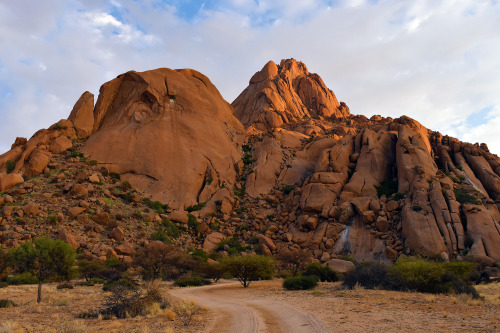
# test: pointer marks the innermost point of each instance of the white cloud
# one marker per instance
(434, 61)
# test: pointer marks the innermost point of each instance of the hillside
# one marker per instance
(285, 166)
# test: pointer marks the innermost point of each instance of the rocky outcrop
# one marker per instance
(167, 132)
(82, 115)
(281, 94)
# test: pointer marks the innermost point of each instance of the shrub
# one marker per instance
(287, 189)
(300, 282)
(387, 187)
(10, 166)
(155, 205)
(45, 258)
(7, 303)
(193, 281)
(171, 229)
(249, 268)
(461, 269)
(214, 271)
(231, 245)
(4, 260)
(186, 311)
(193, 223)
(324, 274)
(200, 253)
(161, 236)
(65, 285)
(125, 283)
(24, 278)
(196, 207)
(463, 197)
(367, 274)
(90, 269)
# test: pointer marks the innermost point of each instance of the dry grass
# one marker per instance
(490, 292)
(59, 309)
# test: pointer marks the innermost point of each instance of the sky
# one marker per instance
(437, 61)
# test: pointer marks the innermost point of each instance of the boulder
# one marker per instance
(178, 216)
(267, 241)
(82, 115)
(38, 161)
(31, 209)
(69, 238)
(60, 144)
(125, 249)
(212, 240)
(73, 212)
(79, 190)
(340, 266)
(10, 180)
(102, 219)
(117, 234)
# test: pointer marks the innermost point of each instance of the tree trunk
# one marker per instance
(39, 298)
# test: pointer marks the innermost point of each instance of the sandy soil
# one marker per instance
(265, 307)
(340, 310)
(234, 313)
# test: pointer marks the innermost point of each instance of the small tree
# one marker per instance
(294, 260)
(45, 258)
(249, 268)
(155, 258)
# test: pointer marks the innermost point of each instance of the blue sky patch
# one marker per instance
(479, 117)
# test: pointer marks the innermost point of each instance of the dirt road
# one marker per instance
(243, 314)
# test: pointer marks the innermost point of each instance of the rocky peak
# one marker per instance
(284, 93)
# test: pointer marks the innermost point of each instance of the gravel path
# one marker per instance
(234, 312)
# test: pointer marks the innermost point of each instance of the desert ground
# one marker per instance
(263, 307)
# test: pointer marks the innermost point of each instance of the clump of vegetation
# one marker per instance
(125, 302)
(416, 208)
(161, 236)
(231, 245)
(415, 275)
(44, 258)
(196, 207)
(300, 282)
(193, 223)
(122, 283)
(7, 303)
(294, 260)
(155, 260)
(10, 165)
(324, 274)
(368, 275)
(114, 175)
(398, 196)
(286, 189)
(24, 278)
(463, 197)
(239, 192)
(387, 187)
(186, 311)
(155, 205)
(171, 229)
(249, 268)
(192, 281)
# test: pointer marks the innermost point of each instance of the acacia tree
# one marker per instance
(294, 260)
(44, 258)
(249, 268)
(155, 259)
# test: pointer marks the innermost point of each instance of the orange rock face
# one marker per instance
(82, 115)
(167, 132)
(282, 94)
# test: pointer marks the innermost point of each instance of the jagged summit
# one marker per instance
(284, 93)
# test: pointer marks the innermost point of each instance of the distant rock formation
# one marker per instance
(290, 169)
(283, 94)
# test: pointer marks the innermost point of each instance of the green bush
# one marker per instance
(200, 253)
(367, 274)
(249, 268)
(196, 207)
(90, 269)
(193, 223)
(161, 236)
(171, 229)
(10, 165)
(287, 189)
(461, 269)
(301, 282)
(155, 205)
(231, 245)
(126, 283)
(24, 278)
(193, 281)
(387, 187)
(463, 197)
(324, 274)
